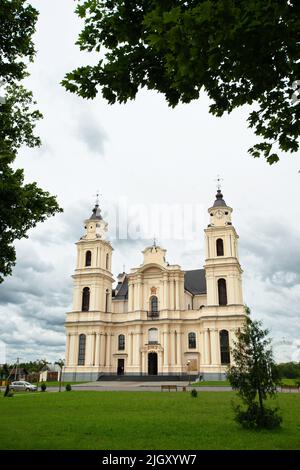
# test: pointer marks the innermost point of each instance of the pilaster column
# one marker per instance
(177, 289)
(102, 349)
(178, 348)
(129, 348)
(138, 286)
(166, 348)
(172, 341)
(165, 290)
(130, 297)
(97, 350)
(107, 354)
(172, 306)
(214, 347)
(67, 348)
(89, 350)
(206, 347)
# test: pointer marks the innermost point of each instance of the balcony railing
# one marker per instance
(152, 315)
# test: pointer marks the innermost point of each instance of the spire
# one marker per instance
(219, 199)
(96, 214)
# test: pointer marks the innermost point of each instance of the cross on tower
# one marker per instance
(97, 197)
(218, 180)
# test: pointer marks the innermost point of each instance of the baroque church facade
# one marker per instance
(159, 320)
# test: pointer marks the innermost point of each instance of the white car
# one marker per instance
(22, 385)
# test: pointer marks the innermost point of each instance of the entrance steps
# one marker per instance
(143, 378)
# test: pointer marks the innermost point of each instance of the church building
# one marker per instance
(159, 320)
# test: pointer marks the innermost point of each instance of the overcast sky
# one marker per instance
(143, 155)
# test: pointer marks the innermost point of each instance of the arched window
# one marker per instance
(222, 292)
(107, 261)
(153, 336)
(192, 340)
(121, 342)
(88, 258)
(154, 304)
(81, 350)
(106, 300)
(85, 299)
(220, 247)
(224, 347)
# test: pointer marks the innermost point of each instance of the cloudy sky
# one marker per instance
(143, 156)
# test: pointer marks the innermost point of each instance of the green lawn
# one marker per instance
(137, 420)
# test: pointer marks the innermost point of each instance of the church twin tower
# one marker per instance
(159, 319)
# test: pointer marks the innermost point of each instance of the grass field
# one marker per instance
(135, 420)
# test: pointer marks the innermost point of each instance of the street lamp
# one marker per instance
(189, 371)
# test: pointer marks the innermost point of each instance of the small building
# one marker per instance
(50, 373)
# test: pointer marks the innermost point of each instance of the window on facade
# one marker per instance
(152, 335)
(107, 261)
(154, 303)
(121, 342)
(81, 350)
(192, 340)
(220, 247)
(222, 292)
(224, 347)
(85, 299)
(106, 300)
(88, 258)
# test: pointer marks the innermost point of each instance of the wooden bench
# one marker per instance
(289, 387)
(168, 387)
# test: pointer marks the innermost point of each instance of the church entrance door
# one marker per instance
(120, 370)
(152, 363)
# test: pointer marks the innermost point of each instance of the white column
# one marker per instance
(214, 346)
(178, 346)
(102, 349)
(166, 349)
(165, 290)
(97, 350)
(130, 297)
(129, 348)
(177, 303)
(72, 350)
(172, 306)
(107, 354)
(138, 285)
(172, 341)
(67, 349)
(206, 347)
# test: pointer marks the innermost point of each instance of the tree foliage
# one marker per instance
(239, 51)
(254, 375)
(22, 206)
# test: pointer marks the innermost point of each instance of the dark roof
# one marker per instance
(195, 281)
(123, 290)
(219, 199)
(96, 214)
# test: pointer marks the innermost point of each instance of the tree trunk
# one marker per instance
(260, 401)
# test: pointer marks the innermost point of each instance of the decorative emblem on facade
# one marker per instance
(153, 290)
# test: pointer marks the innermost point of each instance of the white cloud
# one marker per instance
(148, 153)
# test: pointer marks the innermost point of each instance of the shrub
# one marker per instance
(68, 388)
(194, 393)
(253, 418)
(43, 387)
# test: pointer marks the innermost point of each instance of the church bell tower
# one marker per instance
(93, 278)
(222, 267)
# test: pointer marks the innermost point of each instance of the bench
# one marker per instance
(168, 387)
(289, 387)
